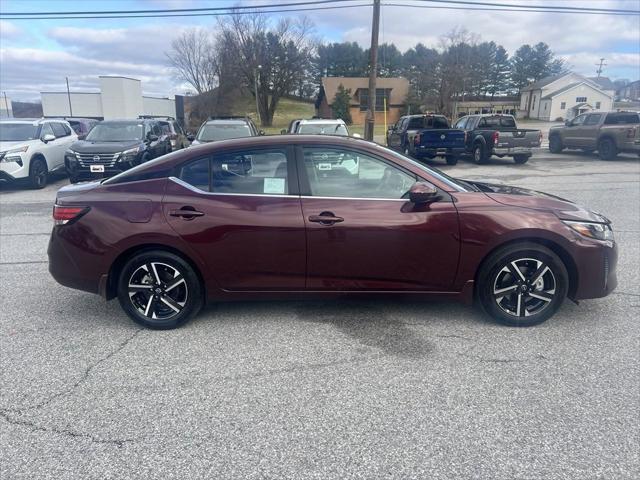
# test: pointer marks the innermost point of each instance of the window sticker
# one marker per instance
(324, 166)
(274, 185)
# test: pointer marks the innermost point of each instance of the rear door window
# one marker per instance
(253, 172)
(197, 173)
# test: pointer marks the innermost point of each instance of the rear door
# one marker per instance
(591, 128)
(362, 232)
(240, 210)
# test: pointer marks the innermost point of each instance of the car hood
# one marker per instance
(4, 146)
(525, 198)
(85, 146)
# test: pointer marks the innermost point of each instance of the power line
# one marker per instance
(495, 9)
(176, 10)
(213, 14)
(545, 7)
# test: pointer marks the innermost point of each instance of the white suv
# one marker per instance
(30, 149)
(320, 126)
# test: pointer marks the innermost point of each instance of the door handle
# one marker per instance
(188, 213)
(325, 218)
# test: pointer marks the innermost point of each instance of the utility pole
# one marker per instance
(6, 103)
(600, 67)
(370, 120)
(69, 98)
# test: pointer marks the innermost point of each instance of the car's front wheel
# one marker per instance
(522, 284)
(159, 290)
(38, 173)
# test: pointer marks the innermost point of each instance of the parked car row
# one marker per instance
(428, 136)
(32, 149)
(481, 136)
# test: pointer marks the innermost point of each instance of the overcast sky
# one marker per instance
(37, 55)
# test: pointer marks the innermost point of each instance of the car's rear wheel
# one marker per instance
(479, 154)
(38, 173)
(522, 284)
(555, 144)
(520, 159)
(159, 290)
(607, 149)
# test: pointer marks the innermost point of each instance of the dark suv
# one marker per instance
(225, 128)
(113, 146)
(172, 128)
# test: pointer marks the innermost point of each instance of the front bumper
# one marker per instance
(78, 171)
(596, 264)
(10, 171)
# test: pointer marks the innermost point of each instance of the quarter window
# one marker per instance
(346, 173)
(197, 173)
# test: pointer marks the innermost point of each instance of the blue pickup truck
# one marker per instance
(426, 136)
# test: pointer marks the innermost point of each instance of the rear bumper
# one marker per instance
(512, 151)
(428, 151)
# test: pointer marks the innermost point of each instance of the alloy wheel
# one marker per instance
(524, 287)
(158, 290)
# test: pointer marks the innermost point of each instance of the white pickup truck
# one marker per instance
(31, 149)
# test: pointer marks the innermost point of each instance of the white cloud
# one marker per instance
(9, 30)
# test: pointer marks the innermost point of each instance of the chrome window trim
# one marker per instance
(191, 187)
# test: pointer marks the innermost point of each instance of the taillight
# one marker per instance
(63, 215)
(416, 139)
(495, 137)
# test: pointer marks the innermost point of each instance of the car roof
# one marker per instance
(228, 121)
(323, 121)
(32, 121)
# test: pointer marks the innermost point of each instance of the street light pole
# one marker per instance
(373, 67)
(69, 97)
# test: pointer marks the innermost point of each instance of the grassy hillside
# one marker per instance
(288, 109)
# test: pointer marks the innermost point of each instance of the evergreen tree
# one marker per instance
(340, 105)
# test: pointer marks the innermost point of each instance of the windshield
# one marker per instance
(220, 131)
(323, 129)
(443, 177)
(116, 132)
(15, 132)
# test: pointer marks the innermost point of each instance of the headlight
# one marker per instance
(598, 231)
(13, 155)
(129, 155)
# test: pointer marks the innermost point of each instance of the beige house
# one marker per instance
(565, 97)
(394, 90)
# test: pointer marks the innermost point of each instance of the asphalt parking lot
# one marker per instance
(344, 389)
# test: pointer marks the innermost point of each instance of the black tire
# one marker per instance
(555, 144)
(531, 296)
(73, 178)
(480, 154)
(38, 173)
(175, 293)
(607, 149)
(452, 159)
(520, 159)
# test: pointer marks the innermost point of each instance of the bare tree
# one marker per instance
(193, 57)
(272, 61)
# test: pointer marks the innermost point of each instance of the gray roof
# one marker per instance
(603, 82)
(563, 89)
(543, 82)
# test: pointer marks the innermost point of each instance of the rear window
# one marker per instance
(211, 132)
(622, 118)
(497, 121)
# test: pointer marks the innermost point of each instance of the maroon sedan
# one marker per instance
(318, 216)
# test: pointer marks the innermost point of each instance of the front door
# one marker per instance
(574, 133)
(362, 233)
(394, 139)
(241, 212)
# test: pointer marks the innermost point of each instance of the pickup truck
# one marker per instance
(609, 133)
(492, 134)
(426, 136)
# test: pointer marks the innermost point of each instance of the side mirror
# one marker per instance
(423, 192)
(152, 138)
(356, 135)
(261, 132)
(191, 137)
(567, 123)
(48, 138)
(391, 128)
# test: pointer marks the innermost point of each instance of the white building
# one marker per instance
(119, 97)
(6, 108)
(565, 96)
